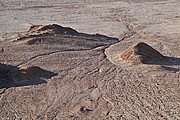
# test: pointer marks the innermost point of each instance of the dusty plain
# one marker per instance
(76, 73)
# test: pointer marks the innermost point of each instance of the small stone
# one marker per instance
(84, 109)
(95, 94)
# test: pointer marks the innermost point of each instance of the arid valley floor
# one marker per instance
(90, 60)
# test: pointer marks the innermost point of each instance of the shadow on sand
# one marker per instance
(168, 63)
(171, 61)
(11, 76)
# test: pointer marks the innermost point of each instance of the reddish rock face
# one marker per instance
(141, 53)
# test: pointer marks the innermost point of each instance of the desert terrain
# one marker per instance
(89, 60)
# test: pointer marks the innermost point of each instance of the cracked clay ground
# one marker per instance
(80, 76)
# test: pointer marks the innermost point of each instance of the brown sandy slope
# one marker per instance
(140, 53)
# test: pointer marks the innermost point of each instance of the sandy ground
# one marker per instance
(80, 76)
(111, 18)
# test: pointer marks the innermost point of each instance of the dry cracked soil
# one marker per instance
(89, 60)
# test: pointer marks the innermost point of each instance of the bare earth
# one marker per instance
(74, 60)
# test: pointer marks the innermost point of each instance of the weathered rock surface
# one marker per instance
(50, 72)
